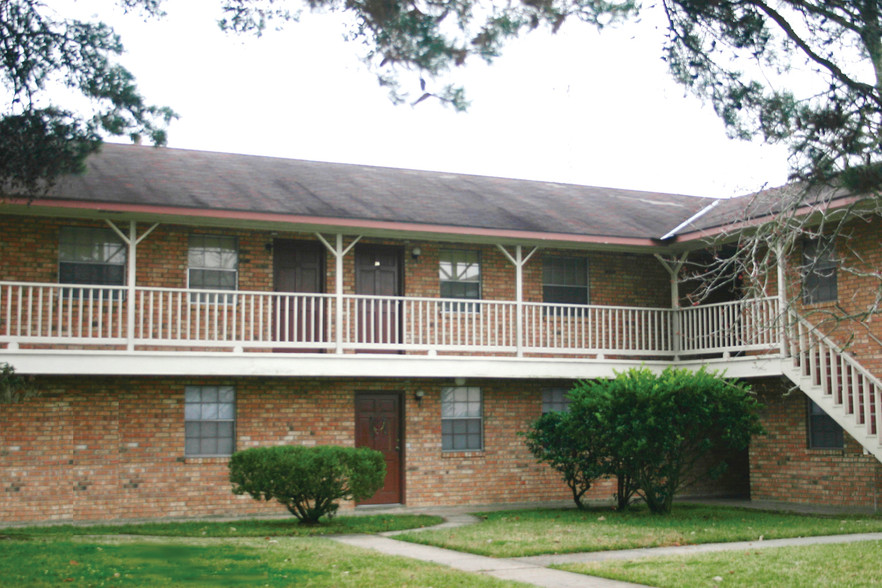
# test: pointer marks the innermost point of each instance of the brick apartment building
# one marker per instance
(175, 306)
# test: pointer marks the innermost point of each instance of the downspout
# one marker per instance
(691, 219)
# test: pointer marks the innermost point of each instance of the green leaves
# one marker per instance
(307, 480)
(430, 37)
(44, 57)
(15, 388)
(650, 431)
(739, 54)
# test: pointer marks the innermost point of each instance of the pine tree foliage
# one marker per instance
(64, 92)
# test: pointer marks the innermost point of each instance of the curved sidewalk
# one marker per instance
(532, 570)
(505, 569)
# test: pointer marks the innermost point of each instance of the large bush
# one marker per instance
(656, 433)
(574, 451)
(308, 481)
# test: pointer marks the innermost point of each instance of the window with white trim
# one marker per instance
(565, 280)
(209, 420)
(90, 255)
(459, 272)
(823, 431)
(820, 268)
(462, 419)
(213, 264)
(555, 400)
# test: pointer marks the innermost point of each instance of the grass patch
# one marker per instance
(853, 564)
(242, 528)
(548, 531)
(126, 561)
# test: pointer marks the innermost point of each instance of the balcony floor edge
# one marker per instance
(116, 363)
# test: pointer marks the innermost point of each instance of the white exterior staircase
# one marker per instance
(838, 383)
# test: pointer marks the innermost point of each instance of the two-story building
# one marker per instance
(175, 306)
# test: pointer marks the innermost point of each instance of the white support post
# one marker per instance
(783, 315)
(131, 240)
(519, 261)
(673, 269)
(339, 253)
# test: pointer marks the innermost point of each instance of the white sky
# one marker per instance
(580, 107)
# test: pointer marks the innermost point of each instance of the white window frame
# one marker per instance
(820, 273)
(103, 248)
(462, 407)
(193, 264)
(205, 408)
(554, 399)
(549, 260)
(453, 266)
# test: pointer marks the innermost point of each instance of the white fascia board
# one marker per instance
(96, 363)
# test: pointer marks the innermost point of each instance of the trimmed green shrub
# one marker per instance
(574, 451)
(662, 430)
(308, 481)
(657, 433)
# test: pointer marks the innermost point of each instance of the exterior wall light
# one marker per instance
(419, 394)
(415, 253)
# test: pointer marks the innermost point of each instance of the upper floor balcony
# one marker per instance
(249, 332)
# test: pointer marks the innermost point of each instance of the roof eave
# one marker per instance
(238, 219)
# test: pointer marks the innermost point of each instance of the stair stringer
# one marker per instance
(837, 382)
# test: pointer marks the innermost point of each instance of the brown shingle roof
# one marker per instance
(162, 177)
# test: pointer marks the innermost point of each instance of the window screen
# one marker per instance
(461, 419)
(210, 420)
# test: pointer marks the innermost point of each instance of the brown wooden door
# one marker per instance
(378, 273)
(298, 266)
(378, 426)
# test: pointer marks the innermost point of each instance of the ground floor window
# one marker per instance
(210, 420)
(555, 400)
(823, 431)
(461, 419)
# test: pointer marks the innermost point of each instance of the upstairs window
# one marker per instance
(93, 256)
(213, 265)
(823, 431)
(461, 419)
(819, 282)
(209, 420)
(555, 400)
(459, 273)
(565, 280)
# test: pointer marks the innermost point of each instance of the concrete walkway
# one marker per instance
(532, 570)
(505, 569)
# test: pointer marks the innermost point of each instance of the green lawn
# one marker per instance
(176, 561)
(244, 528)
(536, 532)
(854, 565)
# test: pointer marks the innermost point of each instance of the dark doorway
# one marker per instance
(298, 266)
(378, 426)
(378, 273)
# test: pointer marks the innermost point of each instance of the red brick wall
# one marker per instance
(113, 448)
(29, 250)
(783, 468)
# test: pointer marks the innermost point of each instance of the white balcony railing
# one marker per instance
(51, 315)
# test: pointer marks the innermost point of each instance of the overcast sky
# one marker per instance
(580, 107)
